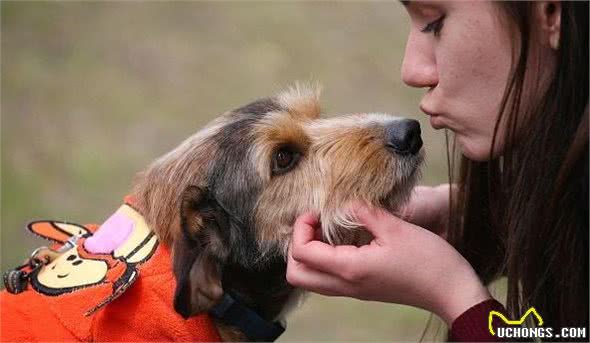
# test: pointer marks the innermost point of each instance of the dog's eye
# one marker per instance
(284, 160)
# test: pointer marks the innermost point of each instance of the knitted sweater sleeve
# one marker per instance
(472, 325)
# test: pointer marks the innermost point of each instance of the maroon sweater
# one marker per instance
(472, 325)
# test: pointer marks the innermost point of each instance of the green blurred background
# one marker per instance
(93, 91)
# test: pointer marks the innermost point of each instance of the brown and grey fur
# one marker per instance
(216, 200)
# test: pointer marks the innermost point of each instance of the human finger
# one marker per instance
(317, 254)
(375, 220)
(302, 276)
(335, 260)
(304, 229)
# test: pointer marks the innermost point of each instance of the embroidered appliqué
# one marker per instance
(78, 268)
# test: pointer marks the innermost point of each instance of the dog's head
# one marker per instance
(230, 194)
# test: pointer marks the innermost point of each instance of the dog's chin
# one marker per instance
(409, 169)
(396, 199)
(358, 236)
(341, 228)
(392, 201)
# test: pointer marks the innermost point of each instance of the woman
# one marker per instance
(510, 80)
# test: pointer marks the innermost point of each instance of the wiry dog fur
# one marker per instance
(221, 201)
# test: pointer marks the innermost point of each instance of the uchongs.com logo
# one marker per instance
(514, 329)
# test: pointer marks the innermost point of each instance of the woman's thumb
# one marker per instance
(376, 220)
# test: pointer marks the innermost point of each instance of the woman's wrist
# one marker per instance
(428, 207)
(442, 192)
(461, 293)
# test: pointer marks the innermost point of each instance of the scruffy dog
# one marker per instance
(225, 201)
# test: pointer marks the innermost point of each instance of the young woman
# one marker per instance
(510, 80)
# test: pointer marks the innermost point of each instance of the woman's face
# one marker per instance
(462, 53)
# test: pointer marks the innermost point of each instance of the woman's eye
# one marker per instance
(284, 160)
(434, 26)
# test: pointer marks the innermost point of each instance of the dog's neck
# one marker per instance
(264, 290)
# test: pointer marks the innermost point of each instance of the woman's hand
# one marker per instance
(428, 207)
(404, 264)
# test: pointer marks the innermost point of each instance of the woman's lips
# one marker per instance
(436, 123)
(435, 120)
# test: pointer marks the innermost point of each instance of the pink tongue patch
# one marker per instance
(111, 234)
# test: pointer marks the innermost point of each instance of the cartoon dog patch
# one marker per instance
(119, 268)
(88, 255)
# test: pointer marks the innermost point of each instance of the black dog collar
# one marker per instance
(232, 312)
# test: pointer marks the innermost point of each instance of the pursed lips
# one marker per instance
(434, 118)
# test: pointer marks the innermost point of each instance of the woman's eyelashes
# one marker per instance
(435, 27)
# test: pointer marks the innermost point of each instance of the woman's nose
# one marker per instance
(419, 65)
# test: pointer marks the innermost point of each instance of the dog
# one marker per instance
(207, 227)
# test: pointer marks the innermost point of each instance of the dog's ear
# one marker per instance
(199, 253)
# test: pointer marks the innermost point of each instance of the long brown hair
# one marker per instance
(525, 214)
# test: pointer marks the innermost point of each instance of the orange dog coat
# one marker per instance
(122, 294)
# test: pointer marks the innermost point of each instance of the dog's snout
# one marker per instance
(403, 137)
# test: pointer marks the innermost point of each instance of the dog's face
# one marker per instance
(241, 182)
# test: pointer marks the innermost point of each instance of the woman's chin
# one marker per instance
(473, 150)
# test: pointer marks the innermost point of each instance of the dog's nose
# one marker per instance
(403, 136)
